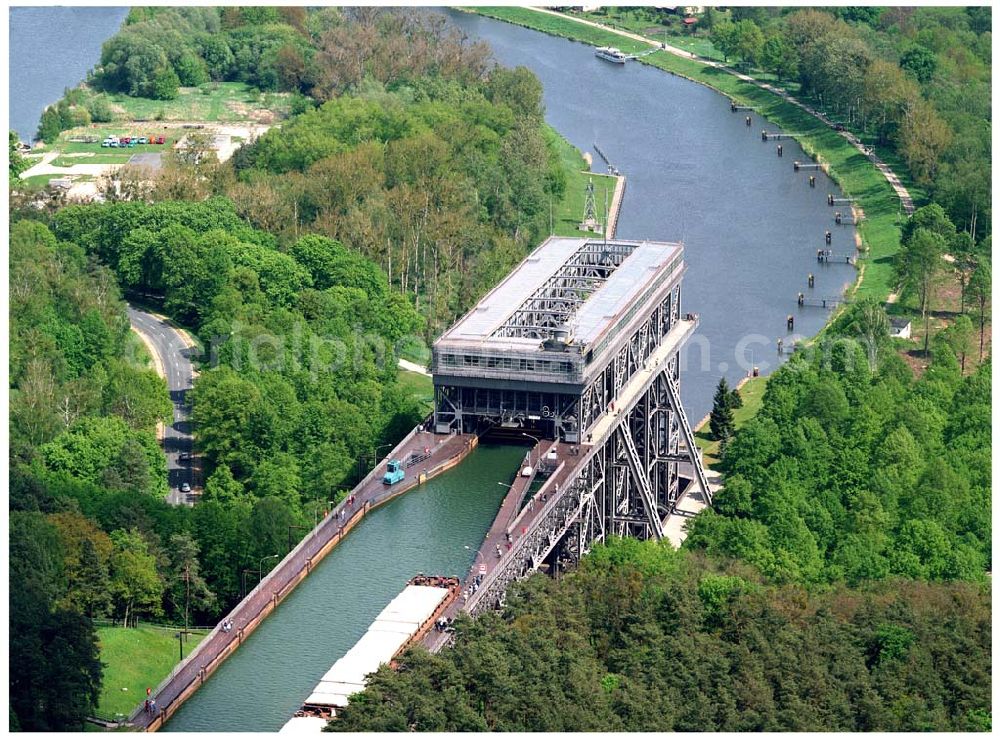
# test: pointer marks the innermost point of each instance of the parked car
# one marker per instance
(185, 487)
(142, 140)
(186, 456)
(839, 127)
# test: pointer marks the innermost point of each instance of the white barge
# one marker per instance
(401, 623)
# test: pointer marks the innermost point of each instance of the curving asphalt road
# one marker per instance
(174, 356)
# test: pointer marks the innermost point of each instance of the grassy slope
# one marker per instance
(752, 393)
(417, 387)
(852, 170)
(567, 214)
(136, 659)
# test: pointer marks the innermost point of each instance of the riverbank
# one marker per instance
(850, 168)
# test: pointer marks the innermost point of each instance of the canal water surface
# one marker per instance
(426, 530)
(52, 49)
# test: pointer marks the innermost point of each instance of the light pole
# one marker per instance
(260, 567)
(529, 452)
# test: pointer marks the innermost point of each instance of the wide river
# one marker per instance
(52, 49)
(696, 173)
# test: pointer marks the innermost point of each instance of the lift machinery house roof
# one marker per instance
(555, 317)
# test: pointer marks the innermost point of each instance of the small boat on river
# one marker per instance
(611, 54)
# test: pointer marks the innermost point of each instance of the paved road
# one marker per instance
(173, 362)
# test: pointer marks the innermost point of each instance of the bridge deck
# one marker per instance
(516, 520)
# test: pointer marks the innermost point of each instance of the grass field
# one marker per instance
(216, 101)
(417, 387)
(114, 157)
(568, 213)
(136, 659)
(752, 393)
(852, 170)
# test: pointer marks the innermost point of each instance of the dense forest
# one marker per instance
(437, 170)
(643, 638)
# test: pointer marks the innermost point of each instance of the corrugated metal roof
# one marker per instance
(514, 290)
(393, 627)
(593, 316)
(618, 291)
(304, 725)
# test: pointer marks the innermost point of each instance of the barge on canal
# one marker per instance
(400, 624)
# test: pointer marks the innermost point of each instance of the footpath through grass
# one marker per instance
(136, 659)
(857, 177)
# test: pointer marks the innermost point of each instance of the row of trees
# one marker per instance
(893, 74)
(642, 638)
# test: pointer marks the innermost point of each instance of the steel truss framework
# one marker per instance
(624, 485)
(607, 385)
(556, 301)
(559, 415)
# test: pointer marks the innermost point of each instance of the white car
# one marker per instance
(185, 487)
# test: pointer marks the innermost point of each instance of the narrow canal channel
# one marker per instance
(426, 530)
(696, 173)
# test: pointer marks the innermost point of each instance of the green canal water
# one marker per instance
(426, 530)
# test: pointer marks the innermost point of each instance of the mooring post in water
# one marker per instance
(790, 322)
(829, 236)
(812, 281)
(779, 150)
(812, 181)
(763, 135)
(795, 165)
(829, 199)
(781, 346)
(837, 217)
(801, 298)
(749, 121)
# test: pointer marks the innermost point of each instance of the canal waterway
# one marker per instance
(750, 224)
(51, 49)
(426, 530)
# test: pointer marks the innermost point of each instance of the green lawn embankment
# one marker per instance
(854, 173)
(568, 213)
(136, 659)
